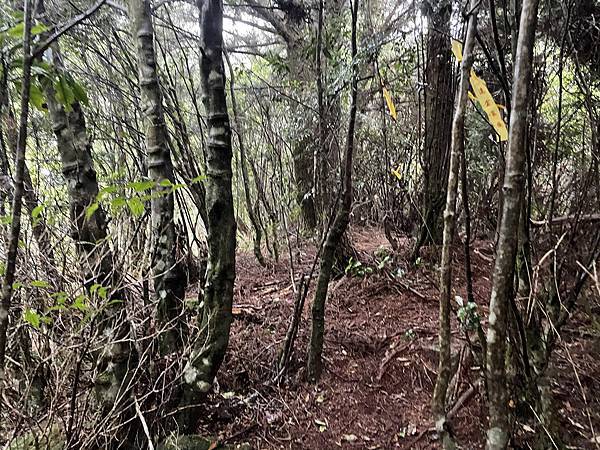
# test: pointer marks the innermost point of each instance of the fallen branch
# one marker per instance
(389, 358)
(565, 219)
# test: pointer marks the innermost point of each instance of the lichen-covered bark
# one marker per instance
(457, 149)
(90, 233)
(438, 121)
(209, 351)
(504, 266)
(338, 228)
(168, 279)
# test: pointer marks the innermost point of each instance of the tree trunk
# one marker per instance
(211, 346)
(504, 266)
(168, 278)
(438, 122)
(340, 223)
(457, 145)
(257, 238)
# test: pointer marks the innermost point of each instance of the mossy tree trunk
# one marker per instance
(216, 316)
(168, 278)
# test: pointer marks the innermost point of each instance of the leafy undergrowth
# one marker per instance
(380, 360)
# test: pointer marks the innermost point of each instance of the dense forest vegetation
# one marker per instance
(299, 224)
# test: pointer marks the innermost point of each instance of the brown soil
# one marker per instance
(380, 361)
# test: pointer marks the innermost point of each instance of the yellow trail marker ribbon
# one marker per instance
(482, 95)
(390, 104)
(457, 50)
(488, 104)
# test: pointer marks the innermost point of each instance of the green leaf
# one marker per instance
(80, 93)
(40, 284)
(42, 68)
(38, 28)
(36, 97)
(64, 94)
(102, 291)
(118, 203)
(32, 318)
(17, 30)
(136, 206)
(79, 303)
(141, 186)
(166, 183)
(35, 212)
(5, 220)
(89, 212)
(198, 179)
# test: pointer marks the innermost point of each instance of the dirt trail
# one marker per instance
(380, 361)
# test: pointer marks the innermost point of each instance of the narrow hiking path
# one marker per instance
(380, 355)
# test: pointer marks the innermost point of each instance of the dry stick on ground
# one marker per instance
(457, 145)
(334, 236)
(15, 227)
(504, 267)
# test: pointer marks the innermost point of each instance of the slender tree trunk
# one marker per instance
(168, 278)
(39, 225)
(504, 267)
(338, 228)
(457, 146)
(244, 166)
(216, 318)
(15, 227)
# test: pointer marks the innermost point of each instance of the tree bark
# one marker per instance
(338, 228)
(457, 146)
(168, 278)
(438, 122)
(504, 267)
(211, 346)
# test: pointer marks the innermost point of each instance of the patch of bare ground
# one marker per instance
(380, 360)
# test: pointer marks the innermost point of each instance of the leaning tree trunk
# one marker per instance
(457, 145)
(338, 228)
(211, 346)
(438, 122)
(504, 267)
(168, 278)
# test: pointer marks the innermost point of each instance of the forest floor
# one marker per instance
(380, 361)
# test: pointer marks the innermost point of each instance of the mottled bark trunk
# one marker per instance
(457, 146)
(216, 317)
(504, 266)
(438, 122)
(168, 278)
(338, 228)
